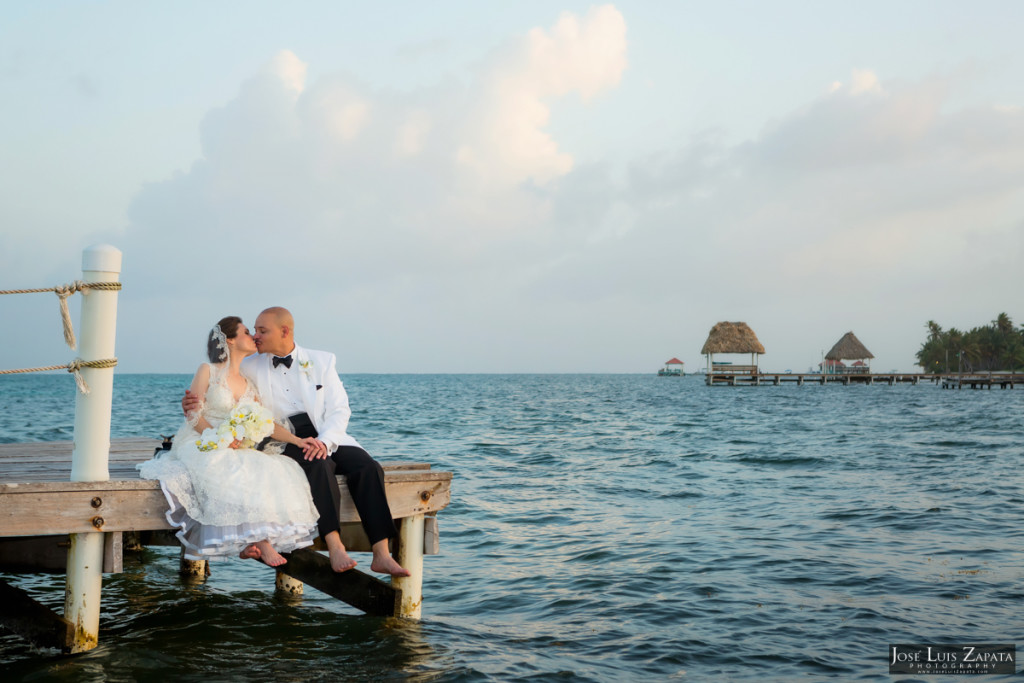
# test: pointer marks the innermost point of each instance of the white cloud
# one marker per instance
(450, 214)
(335, 188)
(290, 70)
(411, 135)
(864, 81)
(508, 144)
(855, 210)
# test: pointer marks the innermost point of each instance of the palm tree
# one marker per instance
(1003, 324)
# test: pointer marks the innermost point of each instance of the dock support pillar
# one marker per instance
(410, 556)
(192, 569)
(83, 588)
(289, 586)
(89, 459)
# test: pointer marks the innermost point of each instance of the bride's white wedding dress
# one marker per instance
(223, 500)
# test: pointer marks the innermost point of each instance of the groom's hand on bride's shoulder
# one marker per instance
(189, 402)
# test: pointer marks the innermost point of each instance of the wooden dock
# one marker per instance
(982, 380)
(743, 375)
(40, 507)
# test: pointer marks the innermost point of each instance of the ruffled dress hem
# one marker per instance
(209, 542)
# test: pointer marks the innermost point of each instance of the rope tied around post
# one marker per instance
(63, 292)
(77, 364)
(73, 367)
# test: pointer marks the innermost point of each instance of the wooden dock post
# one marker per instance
(288, 585)
(89, 459)
(196, 570)
(410, 556)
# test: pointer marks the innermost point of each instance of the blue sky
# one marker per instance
(515, 187)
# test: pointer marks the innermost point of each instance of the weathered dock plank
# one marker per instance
(362, 591)
(36, 498)
(33, 622)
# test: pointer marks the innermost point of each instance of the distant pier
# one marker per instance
(749, 375)
(982, 380)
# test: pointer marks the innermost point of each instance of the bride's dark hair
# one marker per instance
(214, 350)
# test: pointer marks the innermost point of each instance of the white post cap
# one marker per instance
(102, 257)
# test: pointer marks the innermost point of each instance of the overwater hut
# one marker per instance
(849, 348)
(673, 368)
(732, 338)
(830, 366)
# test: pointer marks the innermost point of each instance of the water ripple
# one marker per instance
(605, 528)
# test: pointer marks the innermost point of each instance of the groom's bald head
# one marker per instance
(280, 315)
(274, 331)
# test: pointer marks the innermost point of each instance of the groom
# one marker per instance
(302, 385)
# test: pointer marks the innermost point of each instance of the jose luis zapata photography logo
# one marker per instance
(960, 658)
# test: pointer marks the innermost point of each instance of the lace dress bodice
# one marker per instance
(219, 400)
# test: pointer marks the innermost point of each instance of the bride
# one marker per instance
(228, 499)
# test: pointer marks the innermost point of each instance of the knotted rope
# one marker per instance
(75, 366)
(63, 292)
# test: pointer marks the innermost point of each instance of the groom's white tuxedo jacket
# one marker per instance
(323, 394)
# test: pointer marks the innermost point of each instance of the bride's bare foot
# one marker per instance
(385, 564)
(269, 556)
(250, 552)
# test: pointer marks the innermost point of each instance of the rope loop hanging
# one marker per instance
(63, 292)
(75, 366)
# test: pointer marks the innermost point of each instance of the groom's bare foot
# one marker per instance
(385, 564)
(269, 556)
(340, 560)
(250, 552)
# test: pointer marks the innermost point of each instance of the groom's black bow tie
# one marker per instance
(286, 361)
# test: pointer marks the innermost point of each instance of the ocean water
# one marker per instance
(605, 528)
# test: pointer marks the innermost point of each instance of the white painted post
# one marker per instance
(91, 452)
(101, 263)
(410, 556)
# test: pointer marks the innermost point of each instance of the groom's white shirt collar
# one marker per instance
(295, 347)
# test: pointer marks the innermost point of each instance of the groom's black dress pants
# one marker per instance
(364, 476)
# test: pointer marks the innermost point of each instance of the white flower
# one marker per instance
(248, 423)
(306, 366)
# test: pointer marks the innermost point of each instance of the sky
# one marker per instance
(514, 186)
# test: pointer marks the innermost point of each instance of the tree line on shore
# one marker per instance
(998, 346)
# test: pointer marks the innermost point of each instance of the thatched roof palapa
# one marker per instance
(848, 348)
(732, 338)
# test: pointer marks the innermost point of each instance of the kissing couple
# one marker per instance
(253, 469)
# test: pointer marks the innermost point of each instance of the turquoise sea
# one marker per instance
(604, 528)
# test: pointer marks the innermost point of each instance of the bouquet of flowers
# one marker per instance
(249, 423)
